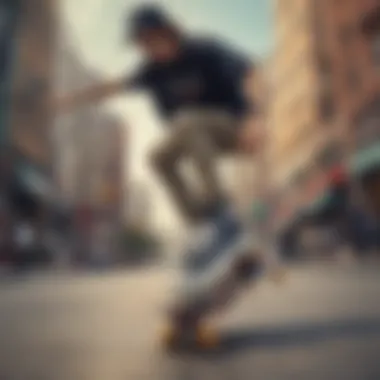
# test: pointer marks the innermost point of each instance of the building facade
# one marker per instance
(33, 68)
(350, 60)
(89, 157)
(109, 179)
(89, 141)
(326, 98)
(29, 121)
(293, 110)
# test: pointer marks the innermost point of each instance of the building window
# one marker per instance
(327, 107)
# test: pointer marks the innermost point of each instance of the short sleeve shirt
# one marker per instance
(206, 74)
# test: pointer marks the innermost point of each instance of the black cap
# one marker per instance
(148, 17)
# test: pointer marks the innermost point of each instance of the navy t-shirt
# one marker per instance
(206, 74)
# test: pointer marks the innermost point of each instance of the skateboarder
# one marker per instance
(199, 87)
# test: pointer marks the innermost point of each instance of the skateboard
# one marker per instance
(207, 293)
(189, 314)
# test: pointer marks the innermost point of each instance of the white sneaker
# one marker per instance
(197, 245)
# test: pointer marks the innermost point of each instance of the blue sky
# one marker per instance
(98, 25)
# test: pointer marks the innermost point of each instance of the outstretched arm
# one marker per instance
(90, 95)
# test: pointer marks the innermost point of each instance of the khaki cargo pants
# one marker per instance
(199, 136)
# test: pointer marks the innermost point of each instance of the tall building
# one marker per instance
(326, 85)
(90, 141)
(33, 74)
(89, 158)
(73, 132)
(293, 110)
(30, 121)
(351, 66)
(247, 176)
(139, 206)
(110, 170)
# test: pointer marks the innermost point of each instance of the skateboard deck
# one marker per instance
(209, 291)
(215, 270)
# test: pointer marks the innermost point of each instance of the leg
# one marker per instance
(199, 135)
(165, 160)
(207, 134)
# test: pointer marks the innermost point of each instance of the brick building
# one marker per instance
(326, 96)
(33, 81)
(351, 63)
(28, 124)
(295, 109)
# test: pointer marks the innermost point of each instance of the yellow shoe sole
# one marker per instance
(207, 338)
(172, 338)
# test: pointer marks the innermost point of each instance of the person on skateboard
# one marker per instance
(199, 86)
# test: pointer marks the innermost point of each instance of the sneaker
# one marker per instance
(201, 239)
(228, 226)
(227, 232)
(221, 230)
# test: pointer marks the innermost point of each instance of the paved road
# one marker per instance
(324, 323)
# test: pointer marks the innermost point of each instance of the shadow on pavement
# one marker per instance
(291, 336)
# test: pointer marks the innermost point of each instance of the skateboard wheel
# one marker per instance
(207, 338)
(170, 337)
(247, 267)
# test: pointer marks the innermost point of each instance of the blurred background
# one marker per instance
(77, 177)
(75, 190)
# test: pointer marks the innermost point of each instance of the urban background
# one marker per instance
(66, 185)
(72, 198)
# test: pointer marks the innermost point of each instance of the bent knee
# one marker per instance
(161, 158)
(187, 123)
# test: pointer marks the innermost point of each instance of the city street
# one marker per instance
(323, 323)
